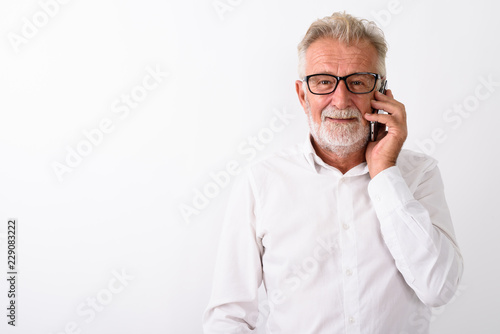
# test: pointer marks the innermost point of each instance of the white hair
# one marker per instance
(347, 29)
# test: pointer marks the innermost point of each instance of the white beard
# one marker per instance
(341, 139)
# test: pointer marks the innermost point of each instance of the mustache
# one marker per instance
(332, 112)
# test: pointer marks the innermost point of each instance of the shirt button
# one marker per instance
(378, 198)
(348, 272)
(345, 226)
(352, 320)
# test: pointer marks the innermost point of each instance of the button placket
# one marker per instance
(349, 255)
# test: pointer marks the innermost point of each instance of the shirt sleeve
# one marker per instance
(418, 231)
(233, 306)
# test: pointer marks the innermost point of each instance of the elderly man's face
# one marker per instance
(342, 126)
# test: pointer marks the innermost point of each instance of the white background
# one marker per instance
(229, 73)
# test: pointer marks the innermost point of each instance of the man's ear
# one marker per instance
(301, 94)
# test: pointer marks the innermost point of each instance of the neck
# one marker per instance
(343, 163)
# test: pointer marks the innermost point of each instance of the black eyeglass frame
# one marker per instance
(377, 76)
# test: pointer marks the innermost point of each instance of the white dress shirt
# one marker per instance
(337, 253)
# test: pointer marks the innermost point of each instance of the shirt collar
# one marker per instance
(317, 163)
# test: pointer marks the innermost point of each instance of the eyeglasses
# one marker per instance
(356, 83)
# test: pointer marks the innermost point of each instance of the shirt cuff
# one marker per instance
(389, 191)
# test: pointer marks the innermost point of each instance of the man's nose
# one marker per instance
(341, 98)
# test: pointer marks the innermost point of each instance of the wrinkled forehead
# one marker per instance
(328, 55)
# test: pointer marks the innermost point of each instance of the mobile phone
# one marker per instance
(374, 125)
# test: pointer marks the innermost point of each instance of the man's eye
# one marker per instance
(357, 83)
(325, 82)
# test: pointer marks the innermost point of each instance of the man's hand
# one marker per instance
(384, 152)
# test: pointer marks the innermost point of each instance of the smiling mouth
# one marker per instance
(342, 120)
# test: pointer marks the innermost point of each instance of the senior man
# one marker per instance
(347, 235)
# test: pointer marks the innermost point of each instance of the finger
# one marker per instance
(387, 120)
(387, 106)
(392, 107)
(388, 92)
(394, 126)
(383, 97)
(387, 97)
